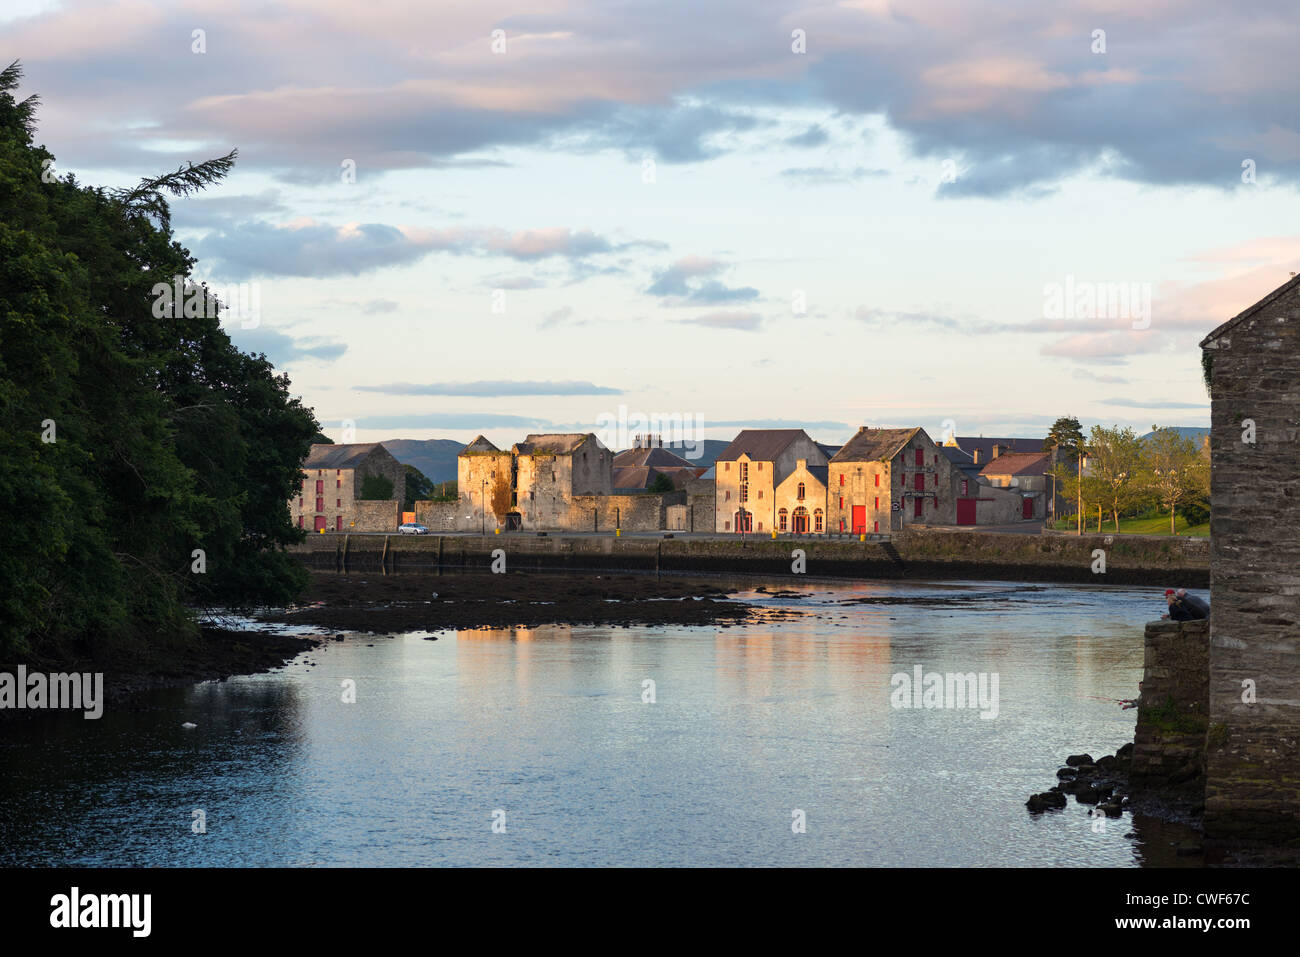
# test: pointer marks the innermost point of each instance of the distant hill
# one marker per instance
(1194, 433)
(436, 458)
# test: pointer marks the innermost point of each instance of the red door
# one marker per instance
(1027, 508)
(320, 523)
(859, 519)
(916, 512)
(965, 511)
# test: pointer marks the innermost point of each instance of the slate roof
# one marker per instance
(970, 443)
(1251, 310)
(553, 443)
(653, 457)
(338, 456)
(874, 445)
(479, 445)
(1018, 463)
(761, 445)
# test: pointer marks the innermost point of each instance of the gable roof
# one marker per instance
(874, 445)
(1018, 463)
(761, 445)
(338, 456)
(653, 457)
(552, 443)
(969, 444)
(479, 446)
(1251, 310)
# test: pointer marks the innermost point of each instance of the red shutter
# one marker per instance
(920, 458)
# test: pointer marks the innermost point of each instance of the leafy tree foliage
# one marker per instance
(662, 484)
(418, 486)
(376, 487)
(127, 441)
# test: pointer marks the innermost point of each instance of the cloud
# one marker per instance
(687, 281)
(304, 247)
(450, 420)
(744, 321)
(490, 388)
(374, 307)
(807, 426)
(284, 350)
(815, 135)
(823, 175)
(1162, 404)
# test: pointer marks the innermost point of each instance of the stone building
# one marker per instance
(749, 471)
(332, 480)
(1024, 473)
(801, 500)
(884, 479)
(1253, 743)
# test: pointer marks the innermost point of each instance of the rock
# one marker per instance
(1086, 770)
(1076, 759)
(1041, 802)
(1189, 850)
(1087, 795)
(1125, 752)
(1106, 791)
(1066, 773)
(1107, 763)
(1072, 787)
(189, 725)
(1053, 798)
(1111, 810)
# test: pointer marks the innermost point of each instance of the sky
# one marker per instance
(502, 218)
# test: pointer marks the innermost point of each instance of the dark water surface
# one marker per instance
(750, 723)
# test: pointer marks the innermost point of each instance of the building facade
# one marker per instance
(748, 472)
(882, 480)
(333, 478)
(1253, 744)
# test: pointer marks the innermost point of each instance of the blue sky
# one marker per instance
(667, 207)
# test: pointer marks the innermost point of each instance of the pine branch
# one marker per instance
(189, 179)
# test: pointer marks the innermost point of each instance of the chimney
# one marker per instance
(998, 451)
(975, 455)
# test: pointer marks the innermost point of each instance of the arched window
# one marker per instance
(817, 520)
(800, 494)
(782, 518)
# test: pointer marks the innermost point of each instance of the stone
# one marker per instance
(1075, 760)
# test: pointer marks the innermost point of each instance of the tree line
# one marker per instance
(146, 463)
(1126, 474)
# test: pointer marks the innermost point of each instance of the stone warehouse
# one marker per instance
(1253, 741)
(555, 482)
(748, 472)
(334, 479)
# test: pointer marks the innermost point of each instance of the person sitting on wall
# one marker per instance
(1197, 607)
(1177, 610)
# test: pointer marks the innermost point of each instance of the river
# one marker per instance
(539, 746)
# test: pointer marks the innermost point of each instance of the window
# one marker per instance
(782, 519)
(841, 524)
(817, 520)
(965, 486)
(800, 493)
(760, 493)
(726, 467)
(726, 497)
(338, 483)
(916, 512)
(300, 503)
(936, 479)
(300, 521)
(841, 501)
(744, 471)
(877, 504)
(320, 488)
(726, 526)
(842, 480)
(920, 458)
(338, 503)
(760, 468)
(320, 504)
(338, 523)
(877, 480)
(338, 471)
(744, 491)
(875, 526)
(760, 526)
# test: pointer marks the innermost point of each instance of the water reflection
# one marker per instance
(553, 725)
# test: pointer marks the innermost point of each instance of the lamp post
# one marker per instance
(483, 505)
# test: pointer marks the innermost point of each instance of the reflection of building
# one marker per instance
(334, 479)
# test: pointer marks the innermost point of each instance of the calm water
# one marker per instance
(548, 724)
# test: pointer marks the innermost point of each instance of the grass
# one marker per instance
(1138, 526)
